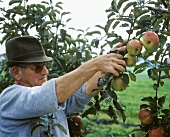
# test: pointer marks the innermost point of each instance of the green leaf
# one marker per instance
(149, 72)
(129, 31)
(167, 70)
(70, 40)
(141, 65)
(78, 55)
(80, 30)
(87, 54)
(45, 2)
(126, 78)
(125, 19)
(120, 3)
(112, 113)
(117, 105)
(5, 38)
(45, 23)
(155, 86)
(72, 50)
(123, 115)
(141, 13)
(148, 99)
(91, 110)
(81, 40)
(95, 43)
(166, 111)
(63, 34)
(112, 94)
(143, 20)
(110, 15)
(157, 23)
(144, 106)
(115, 24)
(58, 5)
(2, 19)
(161, 100)
(132, 76)
(68, 20)
(128, 5)
(14, 1)
(37, 128)
(36, 120)
(61, 127)
(109, 22)
(166, 33)
(140, 70)
(64, 13)
(93, 32)
(125, 25)
(139, 32)
(114, 6)
(99, 26)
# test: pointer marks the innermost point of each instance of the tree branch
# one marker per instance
(159, 10)
(19, 27)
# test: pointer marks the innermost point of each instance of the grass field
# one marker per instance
(131, 98)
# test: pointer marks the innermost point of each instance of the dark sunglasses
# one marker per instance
(37, 68)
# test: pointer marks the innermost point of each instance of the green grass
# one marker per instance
(131, 98)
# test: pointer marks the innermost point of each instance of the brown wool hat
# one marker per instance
(25, 49)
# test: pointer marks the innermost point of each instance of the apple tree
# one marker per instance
(138, 18)
(48, 21)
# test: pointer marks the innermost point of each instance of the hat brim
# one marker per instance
(11, 63)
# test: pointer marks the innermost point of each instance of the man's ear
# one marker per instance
(16, 73)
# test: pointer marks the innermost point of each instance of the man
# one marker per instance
(32, 96)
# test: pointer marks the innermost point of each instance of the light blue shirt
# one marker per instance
(19, 105)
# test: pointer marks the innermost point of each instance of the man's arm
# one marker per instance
(91, 84)
(68, 84)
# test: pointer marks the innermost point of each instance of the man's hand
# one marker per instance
(121, 47)
(111, 63)
(118, 62)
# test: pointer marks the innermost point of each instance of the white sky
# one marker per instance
(87, 13)
(84, 13)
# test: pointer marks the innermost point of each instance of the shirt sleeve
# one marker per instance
(78, 101)
(19, 102)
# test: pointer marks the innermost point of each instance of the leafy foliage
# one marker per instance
(49, 22)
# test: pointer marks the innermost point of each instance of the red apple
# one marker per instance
(134, 47)
(150, 41)
(156, 132)
(77, 119)
(145, 116)
(130, 60)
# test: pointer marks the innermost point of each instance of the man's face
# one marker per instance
(34, 74)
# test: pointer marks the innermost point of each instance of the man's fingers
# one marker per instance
(119, 67)
(119, 56)
(122, 49)
(116, 73)
(121, 44)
